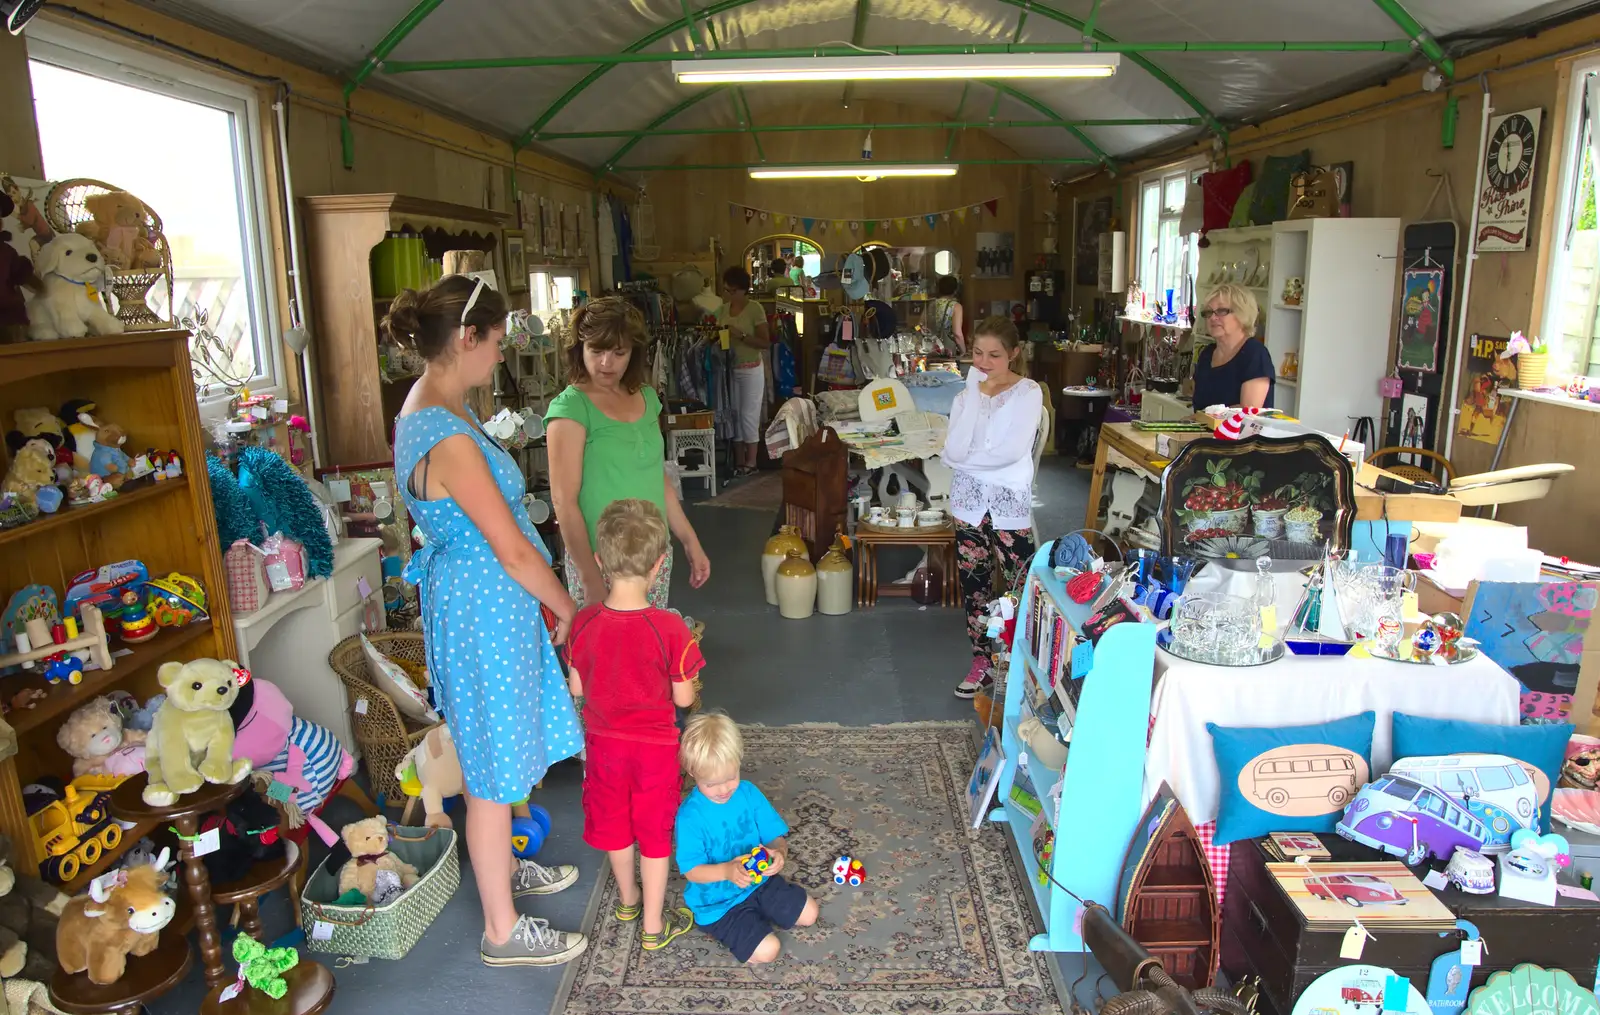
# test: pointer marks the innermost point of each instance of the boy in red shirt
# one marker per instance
(630, 665)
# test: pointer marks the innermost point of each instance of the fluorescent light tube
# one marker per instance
(849, 170)
(892, 68)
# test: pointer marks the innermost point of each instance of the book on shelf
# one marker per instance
(985, 776)
(1023, 793)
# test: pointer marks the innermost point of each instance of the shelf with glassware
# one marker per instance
(1107, 710)
(1326, 290)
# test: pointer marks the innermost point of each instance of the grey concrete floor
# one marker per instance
(896, 662)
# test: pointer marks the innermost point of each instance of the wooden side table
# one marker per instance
(311, 990)
(940, 544)
(263, 877)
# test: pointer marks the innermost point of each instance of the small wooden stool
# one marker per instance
(940, 544)
(310, 992)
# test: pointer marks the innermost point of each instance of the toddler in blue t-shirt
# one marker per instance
(720, 820)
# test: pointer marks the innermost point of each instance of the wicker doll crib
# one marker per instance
(384, 735)
(66, 208)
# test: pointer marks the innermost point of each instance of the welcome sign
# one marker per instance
(1532, 990)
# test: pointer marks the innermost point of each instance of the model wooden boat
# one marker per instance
(1166, 897)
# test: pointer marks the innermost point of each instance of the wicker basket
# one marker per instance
(384, 734)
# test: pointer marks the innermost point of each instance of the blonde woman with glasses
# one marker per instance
(1237, 370)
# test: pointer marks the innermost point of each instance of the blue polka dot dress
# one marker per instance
(497, 678)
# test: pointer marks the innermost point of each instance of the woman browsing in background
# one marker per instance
(482, 576)
(605, 444)
(993, 426)
(1236, 371)
(945, 316)
(747, 326)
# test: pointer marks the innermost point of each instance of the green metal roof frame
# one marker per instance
(1419, 38)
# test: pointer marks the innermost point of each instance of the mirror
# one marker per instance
(945, 262)
(758, 256)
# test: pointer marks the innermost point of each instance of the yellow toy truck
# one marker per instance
(77, 829)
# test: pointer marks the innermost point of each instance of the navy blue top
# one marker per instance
(1220, 385)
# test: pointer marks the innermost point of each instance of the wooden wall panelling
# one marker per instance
(19, 137)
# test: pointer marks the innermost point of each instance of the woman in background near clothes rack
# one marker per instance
(747, 326)
(994, 424)
(605, 444)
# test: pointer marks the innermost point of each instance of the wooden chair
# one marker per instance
(1414, 473)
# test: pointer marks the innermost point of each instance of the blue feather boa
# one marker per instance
(268, 496)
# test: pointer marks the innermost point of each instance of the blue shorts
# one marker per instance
(776, 903)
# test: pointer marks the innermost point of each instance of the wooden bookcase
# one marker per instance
(357, 407)
(143, 382)
(1103, 781)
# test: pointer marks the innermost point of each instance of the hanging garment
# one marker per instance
(607, 228)
(625, 244)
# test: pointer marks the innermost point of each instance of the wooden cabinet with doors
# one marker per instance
(357, 405)
(144, 383)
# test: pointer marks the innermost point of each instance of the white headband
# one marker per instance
(472, 301)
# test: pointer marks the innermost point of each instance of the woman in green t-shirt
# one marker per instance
(605, 445)
(746, 322)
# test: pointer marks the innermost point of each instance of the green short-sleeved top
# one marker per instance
(620, 460)
(745, 322)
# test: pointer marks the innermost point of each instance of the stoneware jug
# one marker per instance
(777, 548)
(836, 586)
(797, 586)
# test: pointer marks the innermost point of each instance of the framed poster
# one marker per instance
(1483, 411)
(516, 261)
(1094, 218)
(1504, 208)
(996, 255)
(1421, 303)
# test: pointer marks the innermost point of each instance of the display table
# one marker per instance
(1297, 690)
(1148, 453)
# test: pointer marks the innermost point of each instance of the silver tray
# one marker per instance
(1165, 643)
(1464, 654)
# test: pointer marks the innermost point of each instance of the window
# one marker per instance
(187, 144)
(1571, 323)
(552, 289)
(1166, 258)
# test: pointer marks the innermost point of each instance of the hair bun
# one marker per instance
(404, 318)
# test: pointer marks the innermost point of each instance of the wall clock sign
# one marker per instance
(1508, 175)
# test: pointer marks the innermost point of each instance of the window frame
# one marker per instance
(554, 271)
(1190, 170)
(77, 51)
(1575, 126)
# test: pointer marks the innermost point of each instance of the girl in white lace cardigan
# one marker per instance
(989, 447)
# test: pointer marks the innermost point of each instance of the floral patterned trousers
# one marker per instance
(979, 550)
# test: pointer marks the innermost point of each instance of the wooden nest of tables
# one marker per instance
(940, 544)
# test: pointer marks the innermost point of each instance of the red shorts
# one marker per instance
(631, 793)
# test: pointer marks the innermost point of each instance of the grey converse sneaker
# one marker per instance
(536, 879)
(533, 943)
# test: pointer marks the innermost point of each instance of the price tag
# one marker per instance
(1396, 993)
(1355, 940)
(280, 405)
(725, 337)
(322, 931)
(340, 489)
(230, 992)
(1472, 952)
(259, 412)
(208, 842)
(361, 706)
(363, 587)
(1436, 880)
(281, 791)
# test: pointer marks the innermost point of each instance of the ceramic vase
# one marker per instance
(836, 592)
(1531, 368)
(927, 585)
(796, 583)
(777, 548)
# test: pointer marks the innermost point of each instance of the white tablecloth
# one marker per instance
(1295, 691)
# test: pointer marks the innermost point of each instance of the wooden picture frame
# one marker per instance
(516, 261)
(1214, 491)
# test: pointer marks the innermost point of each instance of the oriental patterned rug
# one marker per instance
(941, 925)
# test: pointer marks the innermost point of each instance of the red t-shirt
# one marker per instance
(628, 661)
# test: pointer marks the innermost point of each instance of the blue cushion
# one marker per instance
(1289, 778)
(1544, 747)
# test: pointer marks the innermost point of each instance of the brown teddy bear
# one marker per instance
(191, 741)
(118, 228)
(30, 470)
(368, 842)
(29, 911)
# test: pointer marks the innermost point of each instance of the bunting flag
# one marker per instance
(993, 206)
(749, 213)
(932, 218)
(961, 214)
(945, 216)
(822, 227)
(763, 216)
(839, 226)
(883, 224)
(872, 227)
(855, 226)
(900, 224)
(806, 225)
(784, 220)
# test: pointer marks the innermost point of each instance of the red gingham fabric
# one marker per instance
(247, 579)
(1217, 855)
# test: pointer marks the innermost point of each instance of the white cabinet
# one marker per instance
(287, 641)
(1339, 332)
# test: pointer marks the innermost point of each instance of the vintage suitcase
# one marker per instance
(1263, 934)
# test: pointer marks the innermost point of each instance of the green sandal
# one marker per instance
(627, 914)
(670, 930)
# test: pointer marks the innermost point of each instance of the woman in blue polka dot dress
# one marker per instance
(482, 576)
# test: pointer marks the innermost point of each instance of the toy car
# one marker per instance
(1471, 872)
(848, 871)
(756, 862)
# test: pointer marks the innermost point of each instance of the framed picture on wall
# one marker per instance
(516, 261)
(1483, 411)
(1093, 218)
(996, 255)
(1421, 316)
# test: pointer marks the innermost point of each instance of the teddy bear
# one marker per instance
(29, 911)
(191, 742)
(368, 842)
(31, 469)
(68, 306)
(118, 228)
(108, 460)
(99, 745)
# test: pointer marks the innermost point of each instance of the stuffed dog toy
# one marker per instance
(67, 266)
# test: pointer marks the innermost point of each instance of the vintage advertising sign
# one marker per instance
(1507, 199)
